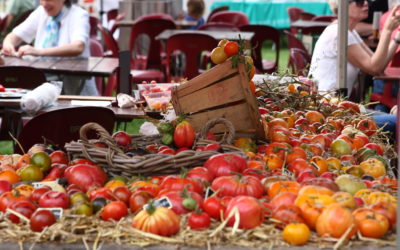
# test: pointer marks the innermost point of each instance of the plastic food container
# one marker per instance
(146, 89)
(158, 101)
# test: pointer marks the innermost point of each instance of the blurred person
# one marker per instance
(195, 11)
(14, 10)
(360, 57)
(59, 29)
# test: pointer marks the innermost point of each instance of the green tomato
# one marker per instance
(41, 160)
(30, 173)
(78, 197)
(189, 203)
(167, 139)
(84, 208)
(165, 128)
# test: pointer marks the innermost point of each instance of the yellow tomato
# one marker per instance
(296, 234)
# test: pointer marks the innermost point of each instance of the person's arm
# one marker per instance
(73, 49)
(8, 21)
(375, 64)
(364, 29)
(9, 44)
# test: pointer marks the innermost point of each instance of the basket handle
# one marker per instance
(104, 135)
(211, 123)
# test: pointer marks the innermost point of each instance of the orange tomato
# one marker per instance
(371, 223)
(252, 87)
(296, 234)
(373, 167)
(256, 165)
(335, 220)
(283, 186)
(231, 48)
(313, 189)
(345, 199)
(315, 116)
(333, 163)
(10, 176)
(319, 164)
(25, 190)
(218, 55)
(273, 161)
(113, 184)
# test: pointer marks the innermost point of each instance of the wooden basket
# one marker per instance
(222, 91)
(116, 162)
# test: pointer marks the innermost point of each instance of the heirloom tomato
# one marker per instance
(157, 220)
(54, 199)
(184, 135)
(26, 208)
(287, 214)
(296, 234)
(370, 223)
(178, 183)
(225, 164)
(238, 185)
(250, 211)
(138, 199)
(214, 207)
(85, 176)
(8, 198)
(177, 198)
(388, 210)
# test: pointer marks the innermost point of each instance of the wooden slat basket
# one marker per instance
(222, 91)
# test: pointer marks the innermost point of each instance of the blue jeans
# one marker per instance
(386, 120)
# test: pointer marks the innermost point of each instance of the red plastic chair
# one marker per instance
(294, 15)
(111, 45)
(94, 22)
(119, 17)
(62, 125)
(325, 18)
(264, 33)
(149, 27)
(236, 18)
(96, 49)
(155, 16)
(299, 61)
(218, 26)
(192, 51)
(222, 8)
(112, 14)
(294, 42)
(306, 15)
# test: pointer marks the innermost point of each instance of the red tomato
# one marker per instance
(138, 199)
(286, 214)
(250, 211)
(38, 192)
(8, 198)
(212, 147)
(167, 151)
(374, 146)
(2, 89)
(235, 185)
(213, 206)
(56, 172)
(85, 176)
(26, 208)
(101, 192)
(200, 173)
(5, 186)
(231, 48)
(225, 164)
(54, 199)
(114, 210)
(122, 138)
(176, 183)
(199, 221)
(184, 135)
(41, 219)
(177, 197)
(59, 157)
(122, 193)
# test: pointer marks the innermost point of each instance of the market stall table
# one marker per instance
(273, 12)
(180, 24)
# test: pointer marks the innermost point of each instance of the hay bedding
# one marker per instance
(93, 233)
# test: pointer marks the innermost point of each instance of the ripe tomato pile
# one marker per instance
(323, 170)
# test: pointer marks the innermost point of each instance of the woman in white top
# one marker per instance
(58, 29)
(324, 59)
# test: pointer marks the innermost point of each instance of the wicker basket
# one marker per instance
(116, 162)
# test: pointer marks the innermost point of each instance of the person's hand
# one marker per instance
(28, 50)
(393, 20)
(8, 49)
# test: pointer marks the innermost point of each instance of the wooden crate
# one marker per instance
(222, 91)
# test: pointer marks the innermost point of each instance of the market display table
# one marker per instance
(179, 23)
(92, 66)
(273, 12)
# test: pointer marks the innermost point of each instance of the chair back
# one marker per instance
(155, 16)
(236, 18)
(313, 30)
(96, 49)
(112, 14)
(21, 77)
(150, 27)
(93, 21)
(294, 15)
(192, 50)
(221, 8)
(109, 41)
(293, 41)
(218, 26)
(324, 18)
(62, 125)
(118, 18)
(299, 60)
(264, 33)
(306, 15)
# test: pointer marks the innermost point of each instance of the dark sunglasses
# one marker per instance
(359, 3)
